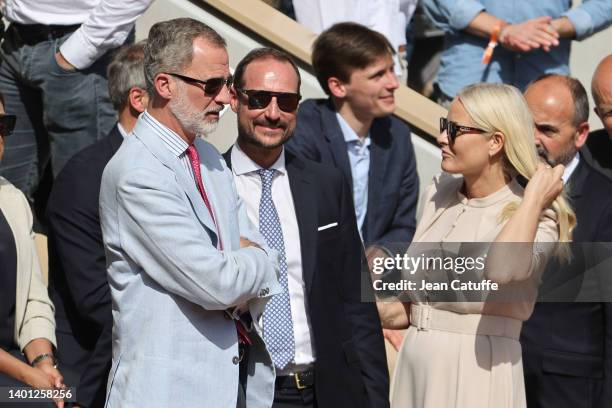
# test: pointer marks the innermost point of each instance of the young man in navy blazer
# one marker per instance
(354, 130)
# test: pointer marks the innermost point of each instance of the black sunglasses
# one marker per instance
(287, 101)
(7, 124)
(211, 86)
(453, 129)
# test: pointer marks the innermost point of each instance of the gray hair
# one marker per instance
(125, 72)
(169, 47)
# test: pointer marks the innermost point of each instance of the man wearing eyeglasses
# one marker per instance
(326, 343)
(180, 250)
(599, 143)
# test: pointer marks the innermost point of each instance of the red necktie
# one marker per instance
(194, 159)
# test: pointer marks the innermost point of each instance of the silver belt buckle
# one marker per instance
(298, 382)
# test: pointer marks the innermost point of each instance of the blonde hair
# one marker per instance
(502, 108)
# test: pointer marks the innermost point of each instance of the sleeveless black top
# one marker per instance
(8, 284)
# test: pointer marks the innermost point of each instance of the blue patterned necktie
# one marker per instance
(277, 323)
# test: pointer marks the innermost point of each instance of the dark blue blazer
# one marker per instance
(567, 347)
(351, 366)
(393, 186)
(77, 271)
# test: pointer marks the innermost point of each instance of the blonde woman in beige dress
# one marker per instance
(461, 354)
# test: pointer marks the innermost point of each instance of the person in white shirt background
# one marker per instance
(388, 17)
(53, 74)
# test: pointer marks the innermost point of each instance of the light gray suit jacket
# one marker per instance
(172, 343)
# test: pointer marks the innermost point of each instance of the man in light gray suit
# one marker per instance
(180, 250)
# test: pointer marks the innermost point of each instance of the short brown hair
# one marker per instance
(345, 47)
(260, 54)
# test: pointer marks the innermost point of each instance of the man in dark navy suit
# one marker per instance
(77, 264)
(354, 131)
(567, 347)
(599, 142)
(325, 341)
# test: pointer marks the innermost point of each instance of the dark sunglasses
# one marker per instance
(211, 86)
(7, 124)
(453, 129)
(287, 101)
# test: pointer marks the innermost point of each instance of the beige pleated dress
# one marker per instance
(466, 354)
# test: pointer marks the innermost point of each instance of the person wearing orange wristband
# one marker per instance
(533, 38)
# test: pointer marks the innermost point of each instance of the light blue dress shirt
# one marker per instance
(359, 157)
(461, 64)
(173, 142)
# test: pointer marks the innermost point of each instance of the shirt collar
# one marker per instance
(242, 164)
(171, 139)
(122, 130)
(569, 169)
(349, 134)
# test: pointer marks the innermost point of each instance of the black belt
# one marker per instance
(298, 380)
(32, 34)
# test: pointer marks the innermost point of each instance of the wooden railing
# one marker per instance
(276, 28)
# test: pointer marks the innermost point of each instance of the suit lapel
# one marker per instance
(333, 134)
(153, 142)
(578, 179)
(216, 185)
(304, 196)
(379, 159)
(13, 210)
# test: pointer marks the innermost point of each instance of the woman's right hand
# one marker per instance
(545, 185)
(37, 378)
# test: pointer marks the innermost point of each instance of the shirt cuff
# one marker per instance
(78, 51)
(36, 328)
(463, 12)
(582, 22)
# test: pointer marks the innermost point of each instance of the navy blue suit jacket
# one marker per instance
(77, 271)
(393, 185)
(567, 347)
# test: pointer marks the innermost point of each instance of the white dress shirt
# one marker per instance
(388, 17)
(122, 130)
(105, 23)
(248, 184)
(569, 169)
